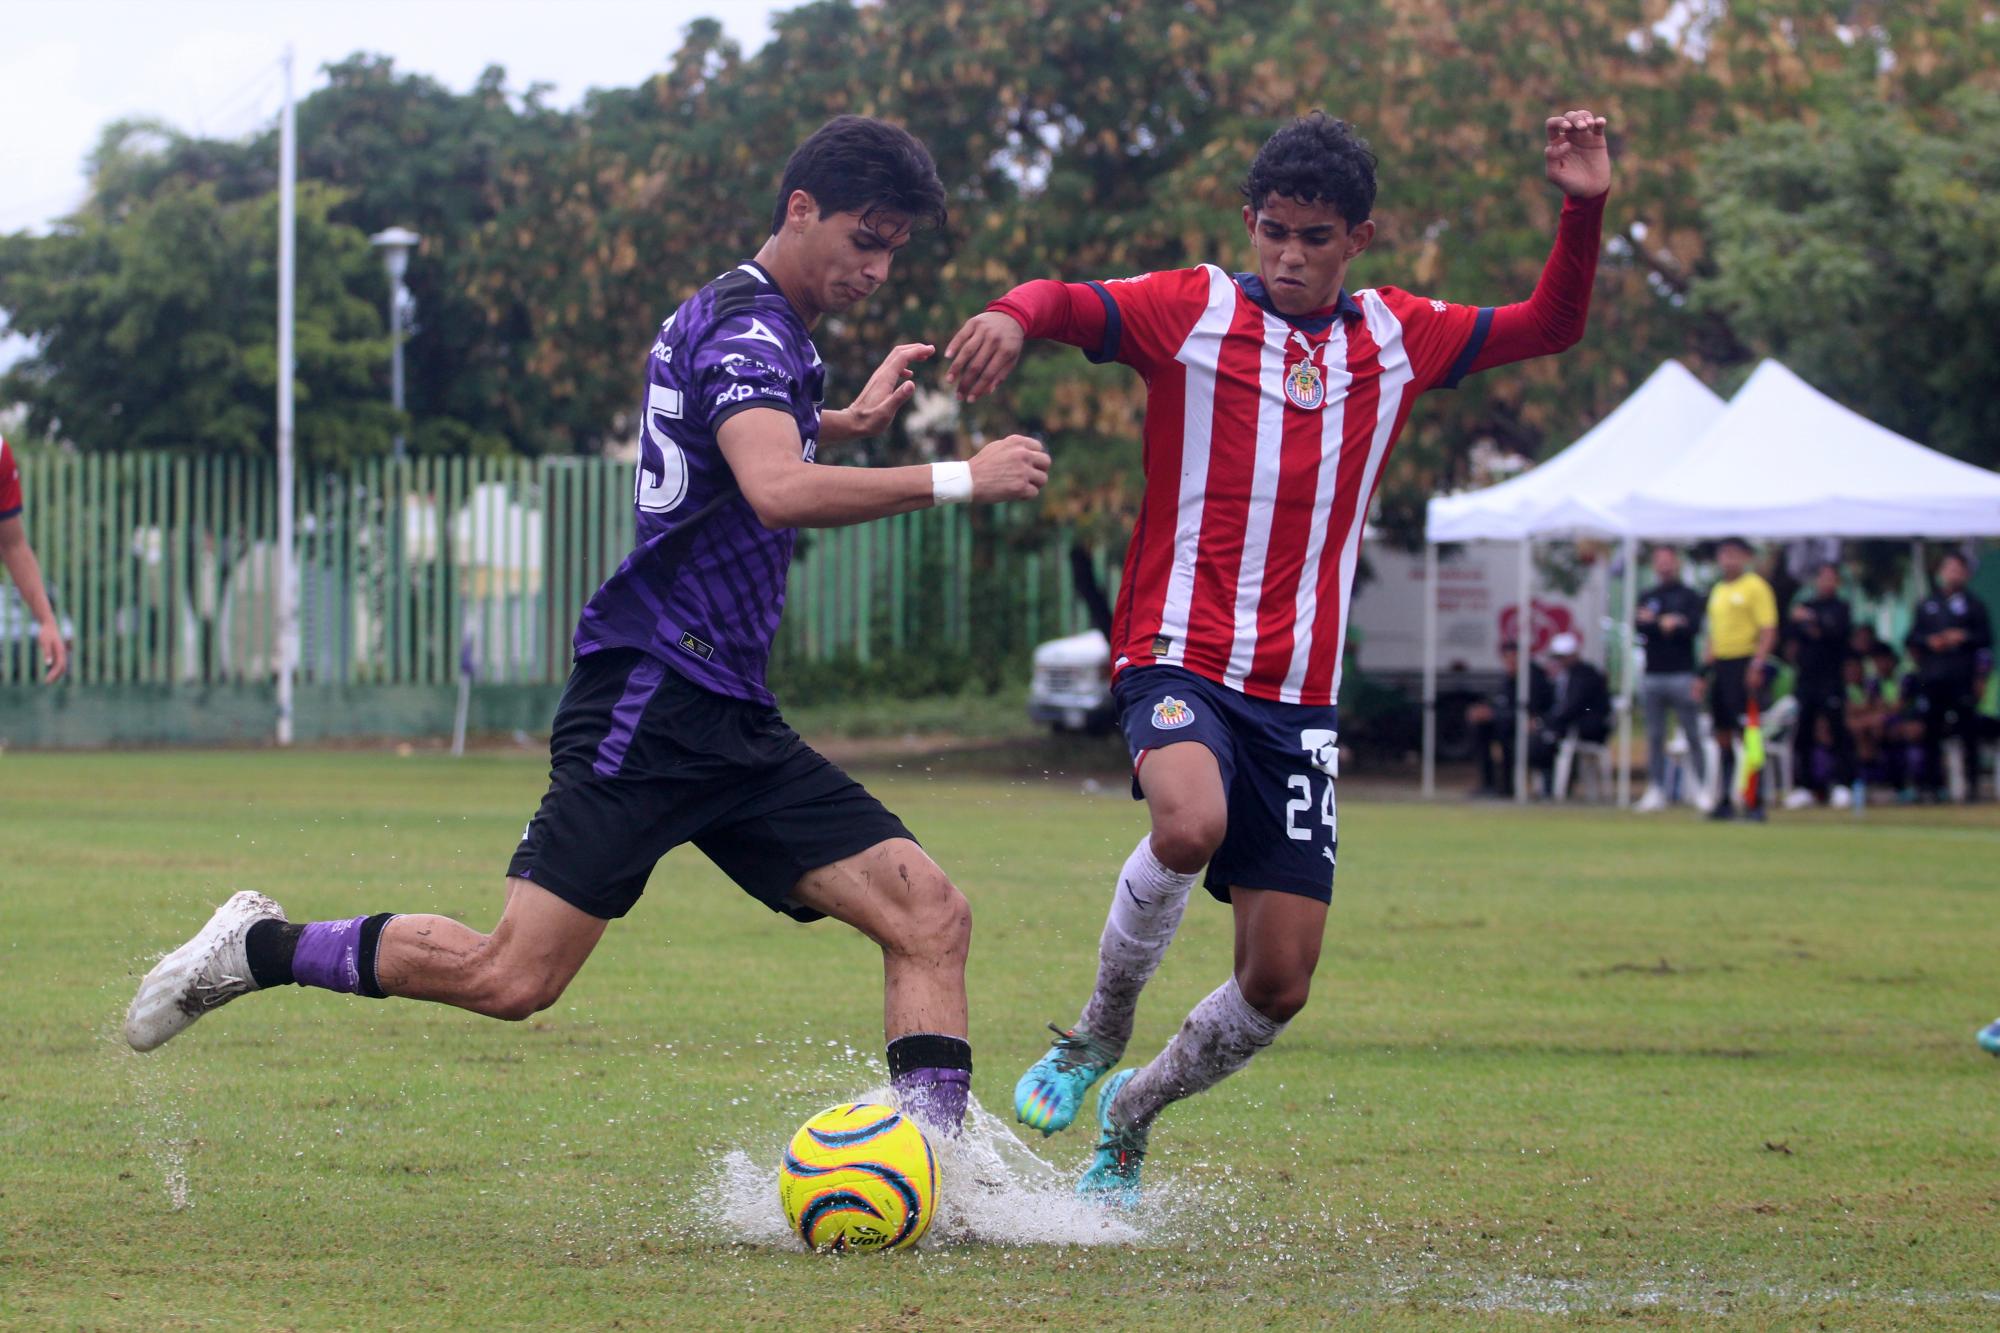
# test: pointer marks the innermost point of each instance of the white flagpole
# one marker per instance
(288, 601)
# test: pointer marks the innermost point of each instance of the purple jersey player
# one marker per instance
(705, 584)
(667, 733)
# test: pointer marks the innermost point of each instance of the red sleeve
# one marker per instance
(10, 483)
(1140, 322)
(1553, 318)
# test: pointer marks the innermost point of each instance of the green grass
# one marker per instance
(1560, 1068)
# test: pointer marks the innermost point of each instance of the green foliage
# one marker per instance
(155, 325)
(1864, 250)
(1085, 140)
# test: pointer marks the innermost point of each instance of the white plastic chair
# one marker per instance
(1595, 756)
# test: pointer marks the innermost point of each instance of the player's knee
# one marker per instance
(510, 992)
(520, 998)
(1278, 995)
(935, 920)
(1186, 839)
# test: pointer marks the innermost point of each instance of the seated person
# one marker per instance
(1491, 721)
(1867, 716)
(1581, 705)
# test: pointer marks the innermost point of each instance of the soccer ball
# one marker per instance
(859, 1177)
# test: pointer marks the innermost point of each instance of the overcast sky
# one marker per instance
(69, 67)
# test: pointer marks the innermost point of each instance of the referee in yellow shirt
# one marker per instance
(1742, 628)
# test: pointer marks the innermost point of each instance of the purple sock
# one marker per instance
(329, 956)
(936, 1097)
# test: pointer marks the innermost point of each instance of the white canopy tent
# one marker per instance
(1779, 460)
(1787, 461)
(1577, 493)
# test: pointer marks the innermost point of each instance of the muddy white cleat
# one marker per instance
(207, 972)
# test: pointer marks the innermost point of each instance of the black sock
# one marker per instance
(270, 945)
(928, 1050)
(1728, 783)
(364, 958)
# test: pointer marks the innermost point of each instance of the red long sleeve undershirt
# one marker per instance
(1548, 321)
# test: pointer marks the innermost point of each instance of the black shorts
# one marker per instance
(1278, 763)
(1729, 692)
(643, 760)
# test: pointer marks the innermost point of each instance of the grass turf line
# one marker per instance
(1560, 1068)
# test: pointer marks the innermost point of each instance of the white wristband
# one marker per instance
(951, 483)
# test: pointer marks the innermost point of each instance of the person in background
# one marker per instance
(1492, 721)
(1818, 633)
(26, 571)
(1581, 707)
(1952, 641)
(1742, 630)
(1668, 620)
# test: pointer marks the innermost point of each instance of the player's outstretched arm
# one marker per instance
(986, 350)
(26, 571)
(786, 491)
(1577, 161)
(891, 386)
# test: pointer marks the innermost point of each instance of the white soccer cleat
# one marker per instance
(1799, 799)
(1651, 803)
(207, 972)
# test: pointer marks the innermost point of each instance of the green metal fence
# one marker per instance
(164, 572)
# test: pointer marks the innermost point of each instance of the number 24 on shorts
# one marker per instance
(1301, 787)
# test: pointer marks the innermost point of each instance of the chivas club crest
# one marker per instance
(1170, 714)
(1304, 386)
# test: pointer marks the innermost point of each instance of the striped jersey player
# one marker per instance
(17, 557)
(1273, 401)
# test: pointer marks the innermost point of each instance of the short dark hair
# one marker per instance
(1737, 542)
(856, 164)
(1315, 159)
(1949, 556)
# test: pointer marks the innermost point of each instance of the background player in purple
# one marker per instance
(666, 732)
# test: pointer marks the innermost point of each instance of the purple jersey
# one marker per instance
(705, 584)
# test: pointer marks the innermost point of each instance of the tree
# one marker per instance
(1864, 251)
(154, 325)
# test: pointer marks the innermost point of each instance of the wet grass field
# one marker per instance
(1560, 1068)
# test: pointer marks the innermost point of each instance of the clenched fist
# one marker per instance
(1012, 468)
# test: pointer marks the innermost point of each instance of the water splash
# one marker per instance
(995, 1191)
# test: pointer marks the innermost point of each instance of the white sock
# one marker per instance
(1145, 912)
(1217, 1039)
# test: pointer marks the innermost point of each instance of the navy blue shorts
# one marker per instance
(1278, 765)
(643, 760)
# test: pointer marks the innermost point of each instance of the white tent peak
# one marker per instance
(1785, 460)
(1578, 491)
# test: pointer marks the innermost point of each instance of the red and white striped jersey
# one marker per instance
(10, 482)
(1265, 439)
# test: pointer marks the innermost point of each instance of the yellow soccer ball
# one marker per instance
(859, 1177)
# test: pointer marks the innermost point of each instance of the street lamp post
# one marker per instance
(395, 243)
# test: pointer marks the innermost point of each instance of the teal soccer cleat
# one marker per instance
(1113, 1177)
(1989, 1038)
(1051, 1092)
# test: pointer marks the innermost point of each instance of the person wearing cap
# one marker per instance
(1742, 630)
(1581, 707)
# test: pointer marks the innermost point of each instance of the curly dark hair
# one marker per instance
(1315, 158)
(856, 164)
